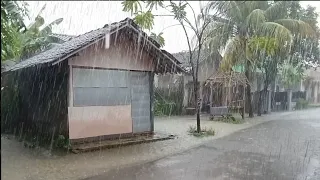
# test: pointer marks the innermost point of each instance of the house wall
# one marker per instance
(312, 86)
(43, 93)
(92, 121)
(123, 56)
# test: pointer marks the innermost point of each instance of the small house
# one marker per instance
(95, 85)
(208, 64)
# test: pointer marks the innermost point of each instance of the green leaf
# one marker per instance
(227, 9)
(48, 29)
(276, 11)
(277, 31)
(158, 38)
(297, 27)
(233, 53)
(131, 6)
(156, 4)
(255, 19)
(145, 20)
(178, 10)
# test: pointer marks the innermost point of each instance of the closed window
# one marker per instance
(100, 87)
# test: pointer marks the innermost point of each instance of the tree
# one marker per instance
(238, 21)
(158, 38)
(12, 16)
(145, 19)
(307, 48)
(178, 12)
(291, 75)
(37, 38)
(19, 41)
(267, 53)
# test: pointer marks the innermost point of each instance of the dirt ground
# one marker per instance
(18, 162)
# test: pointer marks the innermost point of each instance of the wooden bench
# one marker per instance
(190, 111)
(225, 111)
(219, 111)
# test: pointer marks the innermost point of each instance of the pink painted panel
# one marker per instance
(99, 120)
(120, 56)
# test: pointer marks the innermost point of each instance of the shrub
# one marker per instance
(204, 132)
(229, 119)
(301, 104)
(168, 101)
(62, 142)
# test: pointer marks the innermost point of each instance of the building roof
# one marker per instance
(165, 62)
(5, 65)
(183, 57)
(63, 37)
(232, 78)
(313, 73)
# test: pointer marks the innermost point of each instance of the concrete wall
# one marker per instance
(94, 121)
(123, 56)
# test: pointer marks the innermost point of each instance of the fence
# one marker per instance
(298, 95)
(255, 102)
(279, 101)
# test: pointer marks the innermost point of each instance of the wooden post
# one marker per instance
(21, 131)
(151, 102)
(52, 138)
(244, 101)
(211, 96)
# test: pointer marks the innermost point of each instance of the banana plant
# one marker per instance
(12, 16)
(37, 36)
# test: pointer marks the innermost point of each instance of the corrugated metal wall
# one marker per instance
(100, 87)
(140, 101)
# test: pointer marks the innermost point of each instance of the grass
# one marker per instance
(313, 105)
(228, 119)
(204, 132)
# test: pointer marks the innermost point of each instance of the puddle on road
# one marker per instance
(167, 162)
(313, 124)
(312, 171)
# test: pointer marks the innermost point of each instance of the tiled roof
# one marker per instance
(62, 51)
(63, 37)
(183, 57)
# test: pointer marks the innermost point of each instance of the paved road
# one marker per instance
(282, 149)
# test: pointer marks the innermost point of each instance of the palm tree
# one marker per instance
(239, 21)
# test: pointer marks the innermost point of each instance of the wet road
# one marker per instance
(287, 147)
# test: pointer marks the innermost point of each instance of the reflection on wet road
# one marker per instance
(286, 148)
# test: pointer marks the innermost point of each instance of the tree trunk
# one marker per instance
(248, 75)
(196, 95)
(265, 98)
(289, 103)
(260, 102)
(248, 90)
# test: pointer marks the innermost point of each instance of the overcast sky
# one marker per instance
(83, 16)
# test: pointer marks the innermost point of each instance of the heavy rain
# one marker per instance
(160, 90)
